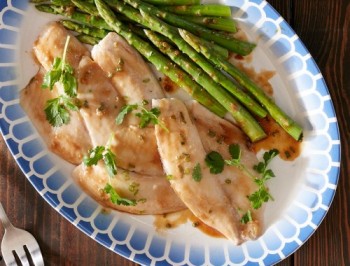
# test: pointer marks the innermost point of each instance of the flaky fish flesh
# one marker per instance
(183, 157)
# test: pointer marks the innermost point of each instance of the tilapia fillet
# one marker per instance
(70, 142)
(130, 74)
(152, 193)
(217, 134)
(182, 154)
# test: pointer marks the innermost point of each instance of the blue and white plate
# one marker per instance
(303, 189)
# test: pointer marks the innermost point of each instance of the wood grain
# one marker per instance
(323, 26)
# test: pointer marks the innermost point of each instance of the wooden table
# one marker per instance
(323, 26)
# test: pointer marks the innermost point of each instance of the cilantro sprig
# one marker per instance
(57, 109)
(109, 159)
(215, 162)
(116, 198)
(102, 153)
(262, 194)
(63, 73)
(146, 116)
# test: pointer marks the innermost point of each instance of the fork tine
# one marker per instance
(22, 256)
(9, 258)
(36, 255)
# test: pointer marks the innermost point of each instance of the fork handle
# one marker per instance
(4, 219)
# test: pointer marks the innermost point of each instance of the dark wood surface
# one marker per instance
(323, 25)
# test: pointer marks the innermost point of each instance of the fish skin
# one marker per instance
(206, 198)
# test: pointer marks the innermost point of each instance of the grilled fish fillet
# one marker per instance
(50, 44)
(182, 153)
(153, 194)
(216, 135)
(70, 142)
(130, 74)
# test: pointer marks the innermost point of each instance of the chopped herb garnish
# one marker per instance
(247, 217)
(146, 116)
(116, 198)
(262, 194)
(197, 173)
(120, 65)
(215, 162)
(57, 110)
(62, 72)
(126, 109)
(102, 153)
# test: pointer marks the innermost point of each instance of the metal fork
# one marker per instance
(18, 243)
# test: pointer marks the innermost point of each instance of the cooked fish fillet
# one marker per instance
(130, 74)
(136, 150)
(182, 153)
(100, 102)
(153, 194)
(216, 135)
(50, 44)
(135, 147)
(71, 142)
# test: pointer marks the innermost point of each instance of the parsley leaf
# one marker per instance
(146, 116)
(235, 152)
(126, 109)
(262, 194)
(57, 110)
(247, 217)
(116, 198)
(102, 153)
(61, 72)
(109, 159)
(215, 162)
(94, 155)
(197, 173)
(259, 197)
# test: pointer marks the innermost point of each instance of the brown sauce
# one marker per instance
(168, 85)
(174, 220)
(277, 138)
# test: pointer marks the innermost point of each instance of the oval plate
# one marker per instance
(303, 189)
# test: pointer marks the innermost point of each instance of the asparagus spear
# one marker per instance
(200, 10)
(88, 39)
(234, 45)
(162, 64)
(173, 2)
(165, 65)
(238, 113)
(288, 124)
(216, 23)
(84, 29)
(87, 7)
(170, 32)
(98, 22)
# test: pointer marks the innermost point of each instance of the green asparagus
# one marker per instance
(234, 45)
(288, 124)
(214, 10)
(242, 117)
(161, 63)
(87, 7)
(216, 23)
(155, 24)
(87, 39)
(173, 2)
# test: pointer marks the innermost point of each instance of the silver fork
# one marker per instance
(20, 243)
